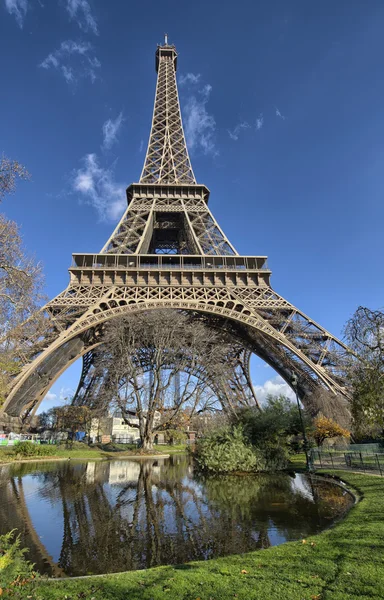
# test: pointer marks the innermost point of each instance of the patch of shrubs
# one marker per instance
(15, 570)
(226, 450)
(259, 440)
(27, 449)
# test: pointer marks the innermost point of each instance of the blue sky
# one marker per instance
(284, 106)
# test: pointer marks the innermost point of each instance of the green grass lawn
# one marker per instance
(82, 451)
(297, 461)
(344, 562)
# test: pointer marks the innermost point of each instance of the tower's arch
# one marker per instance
(85, 335)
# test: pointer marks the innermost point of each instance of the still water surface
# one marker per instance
(80, 518)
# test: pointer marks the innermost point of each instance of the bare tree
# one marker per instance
(365, 335)
(142, 361)
(21, 283)
(9, 171)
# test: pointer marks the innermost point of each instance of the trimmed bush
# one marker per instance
(227, 450)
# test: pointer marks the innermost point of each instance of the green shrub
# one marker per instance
(174, 436)
(15, 570)
(227, 450)
(26, 449)
(274, 431)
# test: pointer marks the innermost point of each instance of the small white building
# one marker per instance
(114, 428)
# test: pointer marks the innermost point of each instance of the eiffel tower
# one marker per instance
(168, 251)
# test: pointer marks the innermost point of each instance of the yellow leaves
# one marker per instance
(303, 541)
(327, 428)
(244, 572)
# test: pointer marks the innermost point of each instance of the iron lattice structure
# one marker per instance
(168, 251)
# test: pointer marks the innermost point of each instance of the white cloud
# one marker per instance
(234, 135)
(98, 188)
(278, 114)
(259, 121)
(199, 125)
(80, 11)
(275, 387)
(111, 130)
(18, 8)
(189, 78)
(66, 394)
(67, 74)
(141, 147)
(50, 397)
(74, 60)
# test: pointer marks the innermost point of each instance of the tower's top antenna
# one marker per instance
(166, 39)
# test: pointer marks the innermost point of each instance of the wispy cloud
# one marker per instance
(80, 11)
(278, 114)
(66, 394)
(18, 8)
(189, 78)
(234, 134)
(274, 387)
(141, 147)
(111, 130)
(50, 397)
(259, 121)
(199, 125)
(97, 187)
(74, 60)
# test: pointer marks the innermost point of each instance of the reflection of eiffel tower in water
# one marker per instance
(168, 251)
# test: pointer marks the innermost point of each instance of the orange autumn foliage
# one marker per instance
(327, 428)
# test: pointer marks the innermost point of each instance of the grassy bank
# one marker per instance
(81, 451)
(344, 562)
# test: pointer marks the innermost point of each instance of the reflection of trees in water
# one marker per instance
(145, 524)
(129, 515)
(14, 514)
(278, 501)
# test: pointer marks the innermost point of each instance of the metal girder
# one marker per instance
(238, 390)
(167, 159)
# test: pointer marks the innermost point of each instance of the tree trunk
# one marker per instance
(147, 443)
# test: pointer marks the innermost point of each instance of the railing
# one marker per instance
(356, 461)
(162, 261)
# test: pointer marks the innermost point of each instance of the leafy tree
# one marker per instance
(272, 429)
(364, 333)
(227, 450)
(325, 428)
(48, 419)
(175, 436)
(73, 418)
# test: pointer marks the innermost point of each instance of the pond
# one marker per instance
(80, 518)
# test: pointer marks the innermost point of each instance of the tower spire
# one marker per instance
(167, 159)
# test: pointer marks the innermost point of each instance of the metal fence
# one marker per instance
(356, 461)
